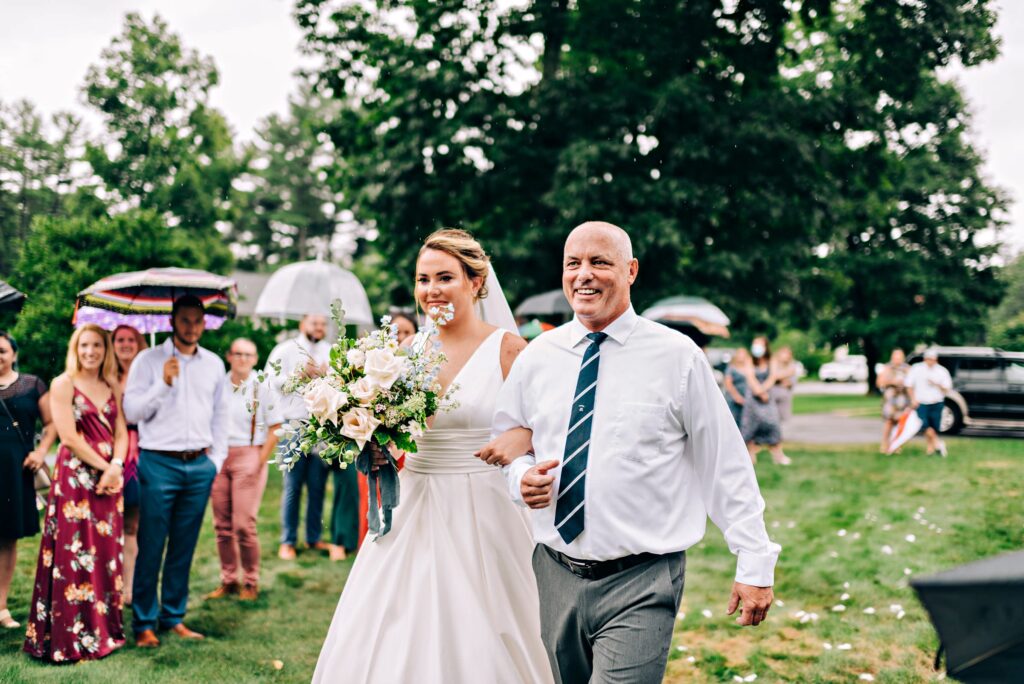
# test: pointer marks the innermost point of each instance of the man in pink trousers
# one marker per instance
(239, 486)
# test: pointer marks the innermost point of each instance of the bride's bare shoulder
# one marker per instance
(511, 345)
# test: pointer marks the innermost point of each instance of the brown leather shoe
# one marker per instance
(250, 592)
(185, 633)
(320, 546)
(223, 591)
(286, 552)
(337, 553)
(146, 639)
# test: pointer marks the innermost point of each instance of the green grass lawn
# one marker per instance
(851, 405)
(974, 497)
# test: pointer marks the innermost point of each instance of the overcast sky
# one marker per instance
(47, 45)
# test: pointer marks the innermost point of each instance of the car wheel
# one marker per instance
(952, 420)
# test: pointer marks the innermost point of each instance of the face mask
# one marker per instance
(757, 350)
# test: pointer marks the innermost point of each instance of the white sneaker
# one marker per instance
(942, 449)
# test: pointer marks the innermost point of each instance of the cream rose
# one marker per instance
(359, 424)
(363, 390)
(356, 357)
(324, 401)
(383, 368)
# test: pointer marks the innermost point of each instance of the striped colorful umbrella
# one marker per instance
(143, 299)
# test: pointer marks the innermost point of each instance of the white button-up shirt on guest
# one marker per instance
(292, 354)
(188, 415)
(242, 429)
(920, 379)
(664, 451)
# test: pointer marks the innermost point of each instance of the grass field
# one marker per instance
(851, 405)
(974, 498)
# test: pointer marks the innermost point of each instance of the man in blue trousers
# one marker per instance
(176, 395)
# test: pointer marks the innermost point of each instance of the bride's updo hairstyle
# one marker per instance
(465, 248)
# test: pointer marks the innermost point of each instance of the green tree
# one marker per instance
(63, 255)
(905, 263)
(291, 213)
(165, 148)
(36, 172)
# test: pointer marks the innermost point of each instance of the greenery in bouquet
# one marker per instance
(373, 389)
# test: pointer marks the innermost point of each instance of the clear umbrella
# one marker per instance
(309, 287)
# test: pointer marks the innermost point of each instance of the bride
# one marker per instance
(448, 596)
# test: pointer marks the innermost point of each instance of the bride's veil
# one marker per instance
(494, 308)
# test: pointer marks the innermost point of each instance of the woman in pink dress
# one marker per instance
(76, 611)
(127, 343)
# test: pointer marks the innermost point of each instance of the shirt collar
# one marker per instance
(619, 330)
(171, 350)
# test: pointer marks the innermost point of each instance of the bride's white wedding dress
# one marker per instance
(448, 596)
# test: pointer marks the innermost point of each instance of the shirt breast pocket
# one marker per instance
(639, 430)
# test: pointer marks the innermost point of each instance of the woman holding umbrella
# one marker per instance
(24, 402)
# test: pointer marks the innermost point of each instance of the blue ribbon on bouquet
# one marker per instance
(386, 477)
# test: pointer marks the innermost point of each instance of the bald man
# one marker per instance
(634, 447)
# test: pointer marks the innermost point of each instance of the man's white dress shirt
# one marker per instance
(245, 426)
(292, 354)
(190, 414)
(665, 452)
(920, 379)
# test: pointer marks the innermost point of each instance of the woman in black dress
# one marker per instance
(23, 403)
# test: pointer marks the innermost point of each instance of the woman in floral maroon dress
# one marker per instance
(76, 611)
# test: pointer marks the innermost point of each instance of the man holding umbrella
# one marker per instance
(176, 394)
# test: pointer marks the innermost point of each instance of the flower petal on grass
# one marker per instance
(911, 538)
(869, 611)
(838, 608)
(841, 533)
(866, 677)
(887, 550)
(706, 613)
(844, 647)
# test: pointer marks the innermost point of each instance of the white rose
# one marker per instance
(323, 401)
(356, 357)
(383, 367)
(363, 391)
(359, 424)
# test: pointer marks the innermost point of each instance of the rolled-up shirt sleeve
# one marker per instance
(145, 390)
(727, 480)
(509, 414)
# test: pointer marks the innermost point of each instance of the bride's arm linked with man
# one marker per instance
(633, 449)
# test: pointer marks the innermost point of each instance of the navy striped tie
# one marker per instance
(572, 487)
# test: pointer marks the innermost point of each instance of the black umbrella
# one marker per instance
(978, 611)
(10, 299)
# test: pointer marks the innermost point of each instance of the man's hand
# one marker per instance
(34, 461)
(171, 369)
(536, 485)
(756, 602)
(507, 447)
(313, 369)
(379, 457)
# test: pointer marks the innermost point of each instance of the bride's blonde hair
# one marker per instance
(465, 248)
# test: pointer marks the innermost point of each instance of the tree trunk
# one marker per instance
(872, 353)
(554, 36)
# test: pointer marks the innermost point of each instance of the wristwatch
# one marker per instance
(119, 462)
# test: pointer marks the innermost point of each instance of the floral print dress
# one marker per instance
(76, 611)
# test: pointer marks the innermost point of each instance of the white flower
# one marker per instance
(383, 367)
(415, 430)
(363, 391)
(356, 357)
(359, 424)
(323, 401)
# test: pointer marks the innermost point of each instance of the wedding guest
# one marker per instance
(404, 321)
(128, 342)
(24, 403)
(784, 369)
(310, 352)
(176, 396)
(927, 384)
(891, 382)
(76, 609)
(736, 374)
(238, 488)
(760, 424)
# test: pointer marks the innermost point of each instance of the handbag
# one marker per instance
(41, 477)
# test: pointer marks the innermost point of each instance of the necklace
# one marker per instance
(5, 385)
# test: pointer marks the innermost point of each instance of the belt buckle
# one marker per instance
(583, 570)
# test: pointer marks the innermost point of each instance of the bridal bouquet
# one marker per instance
(373, 390)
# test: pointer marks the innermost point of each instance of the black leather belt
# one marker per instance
(595, 570)
(181, 455)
